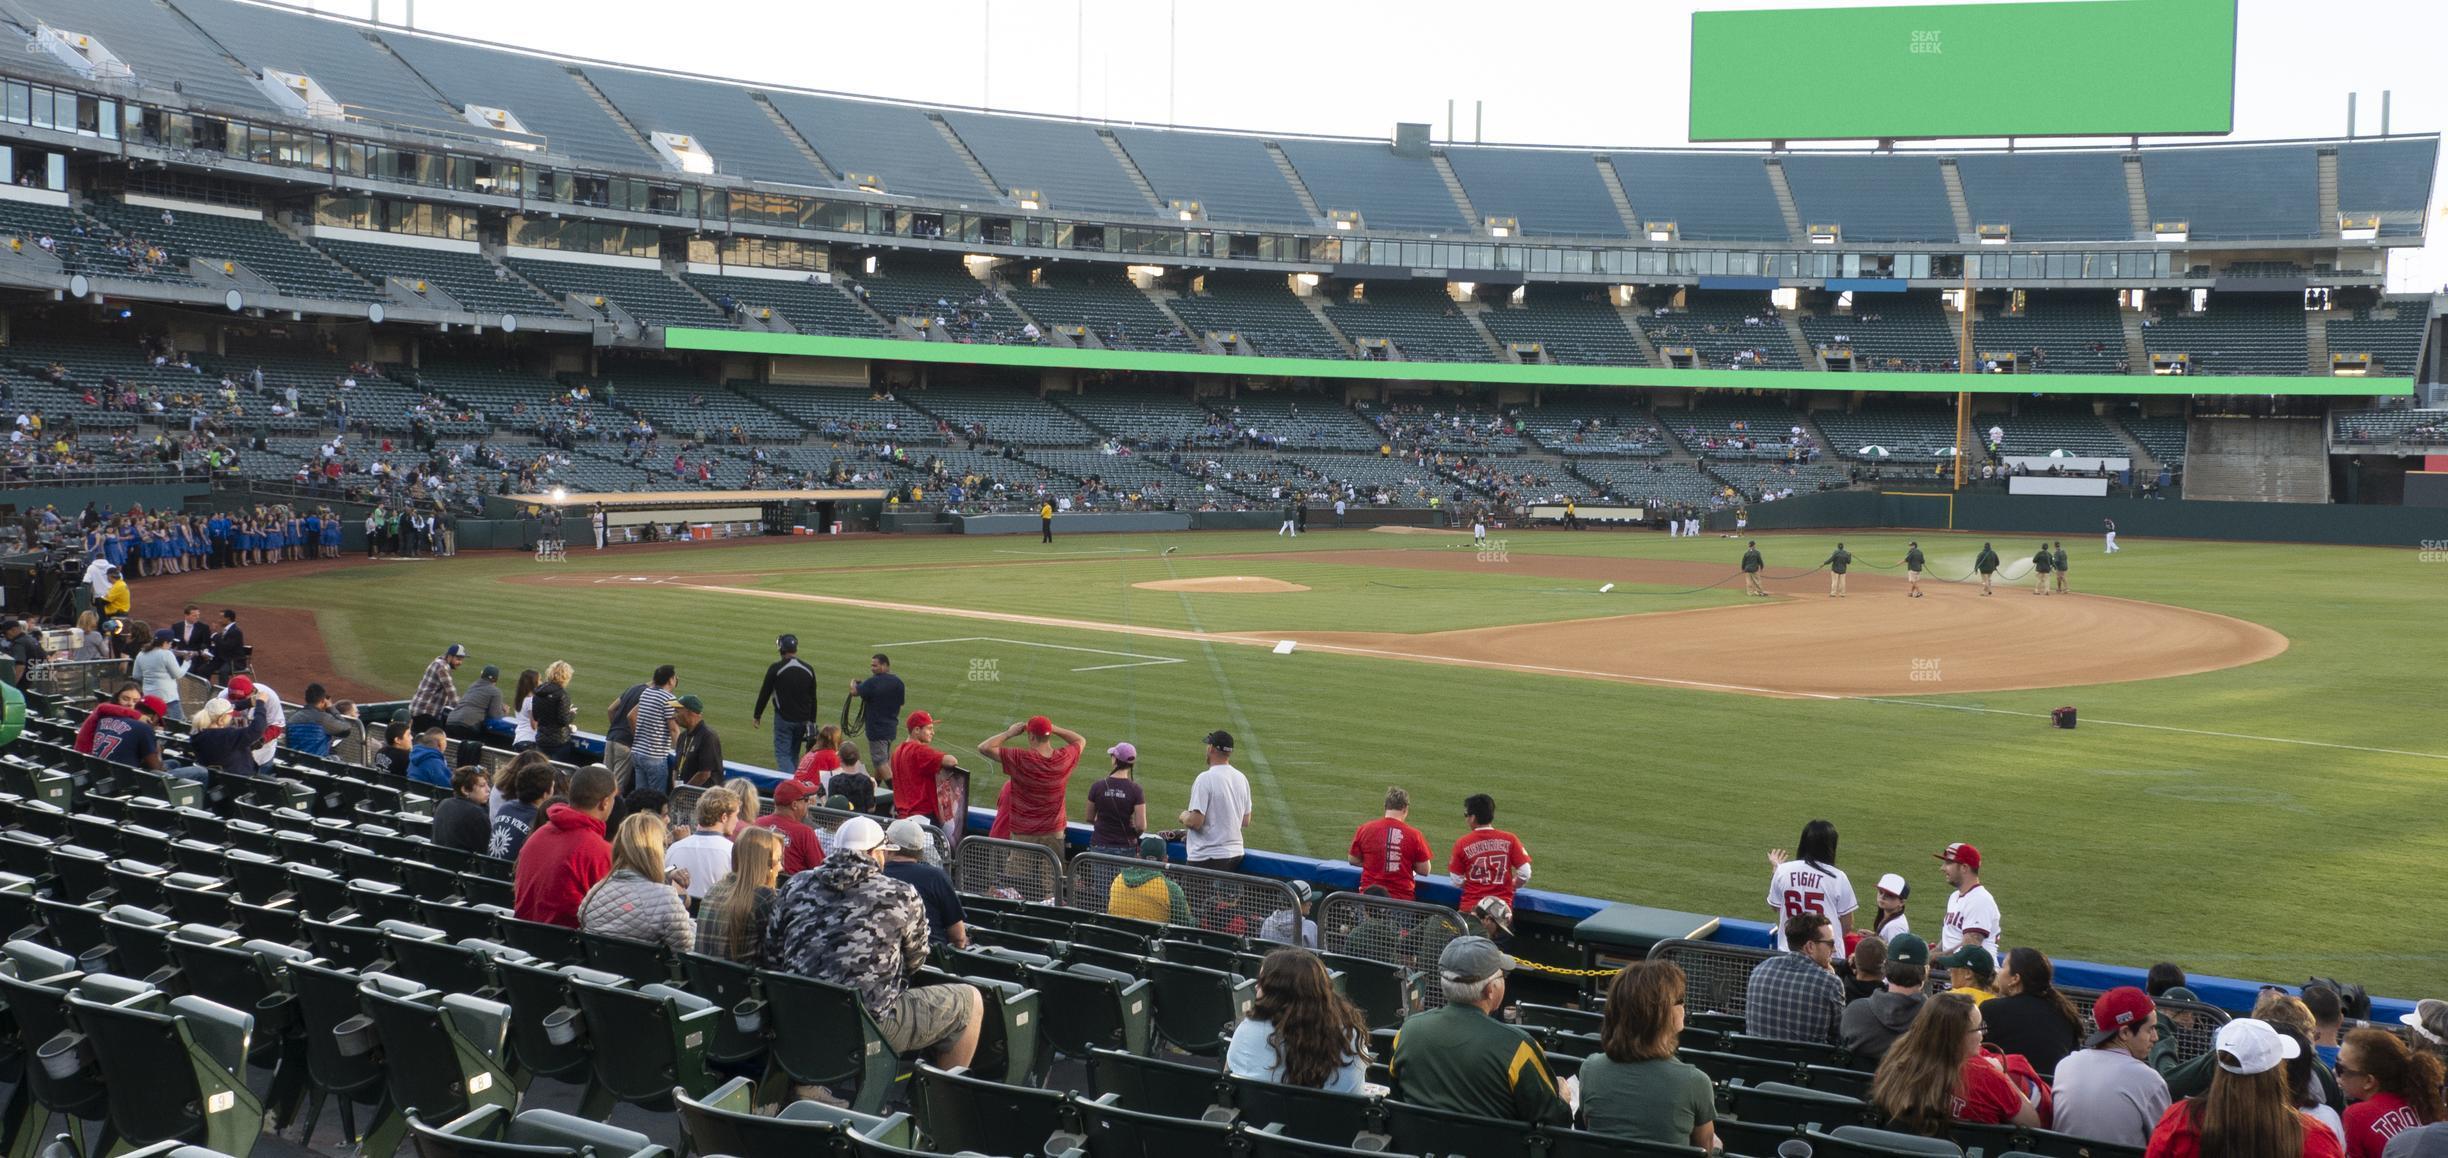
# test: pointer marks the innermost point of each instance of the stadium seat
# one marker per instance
(821, 1034)
(1196, 1008)
(1272, 1142)
(494, 1132)
(174, 1068)
(725, 1122)
(548, 1034)
(442, 1054)
(733, 988)
(1302, 1112)
(327, 999)
(957, 1111)
(656, 1037)
(1154, 1085)
(1563, 1143)
(1724, 1067)
(1431, 1132)
(35, 981)
(1866, 1142)
(1088, 1007)
(639, 961)
(1114, 1132)
(1783, 1104)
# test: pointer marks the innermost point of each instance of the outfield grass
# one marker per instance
(2203, 839)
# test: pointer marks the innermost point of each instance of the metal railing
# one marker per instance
(80, 680)
(1011, 869)
(1406, 933)
(1718, 976)
(1219, 902)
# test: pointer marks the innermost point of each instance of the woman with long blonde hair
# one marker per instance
(1936, 1075)
(636, 902)
(731, 918)
(751, 804)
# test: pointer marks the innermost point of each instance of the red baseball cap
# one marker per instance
(1040, 726)
(1960, 853)
(154, 706)
(919, 720)
(791, 791)
(241, 686)
(2117, 1009)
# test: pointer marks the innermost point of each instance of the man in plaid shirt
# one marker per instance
(1797, 996)
(436, 693)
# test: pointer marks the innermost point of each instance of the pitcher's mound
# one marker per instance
(1223, 585)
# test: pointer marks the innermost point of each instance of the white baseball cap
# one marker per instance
(2255, 1046)
(858, 834)
(1894, 883)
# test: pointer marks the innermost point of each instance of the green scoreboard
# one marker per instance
(2083, 68)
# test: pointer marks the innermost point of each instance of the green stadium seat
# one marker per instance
(1784, 1104)
(1301, 1112)
(494, 1132)
(651, 1039)
(1154, 1085)
(821, 1034)
(1562, 1143)
(725, 1122)
(174, 1068)
(1196, 1008)
(1272, 1142)
(1114, 1132)
(443, 1054)
(1089, 1008)
(35, 981)
(1425, 1131)
(548, 1034)
(1865, 1142)
(960, 1112)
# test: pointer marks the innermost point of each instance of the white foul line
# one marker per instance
(1141, 660)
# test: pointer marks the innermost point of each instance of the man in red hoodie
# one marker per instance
(567, 853)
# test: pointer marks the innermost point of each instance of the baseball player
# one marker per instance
(1837, 564)
(1692, 527)
(1291, 519)
(2057, 555)
(2042, 564)
(1751, 570)
(1987, 565)
(2110, 524)
(1913, 559)
(1479, 530)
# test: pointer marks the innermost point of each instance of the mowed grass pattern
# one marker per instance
(2203, 839)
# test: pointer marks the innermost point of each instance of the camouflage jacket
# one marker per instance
(847, 923)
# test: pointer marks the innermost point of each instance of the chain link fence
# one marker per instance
(1406, 933)
(1011, 869)
(1718, 976)
(1175, 894)
(78, 680)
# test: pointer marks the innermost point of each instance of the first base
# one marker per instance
(1283, 647)
(1605, 589)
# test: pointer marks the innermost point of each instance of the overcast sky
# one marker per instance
(1548, 71)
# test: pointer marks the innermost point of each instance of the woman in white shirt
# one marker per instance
(1299, 1031)
(1890, 922)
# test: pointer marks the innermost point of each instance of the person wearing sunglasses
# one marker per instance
(1936, 1075)
(1797, 996)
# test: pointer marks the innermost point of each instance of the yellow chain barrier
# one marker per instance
(1560, 971)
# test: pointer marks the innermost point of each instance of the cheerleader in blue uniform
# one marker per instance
(115, 548)
(331, 534)
(148, 552)
(293, 535)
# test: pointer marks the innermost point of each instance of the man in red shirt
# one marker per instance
(914, 766)
(567, 853)
(801, 849)
(1389, 851)
(1487, 861)
(1032, 806)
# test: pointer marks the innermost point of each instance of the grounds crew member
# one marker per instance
(1751, 570)
(2042, 564)
(1837, 564)
(2057, 555)
(790, 686)
(1987, 565)
(1913, 561)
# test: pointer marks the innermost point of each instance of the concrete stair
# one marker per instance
(1631, 315)
(2316, 340)
(1964, 231)
(1453, 188)
(1291, 176)
(1471, 314)
(977, 168)
(1801, 341)
(611, 110)
(2137, 352)
(1130, 168)
(1794, 230)
(2137, 202)
(2328, 197)
(790, 132)
(1316, 306)
(1613, 181)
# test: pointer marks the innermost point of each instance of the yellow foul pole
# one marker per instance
(1964, 365)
